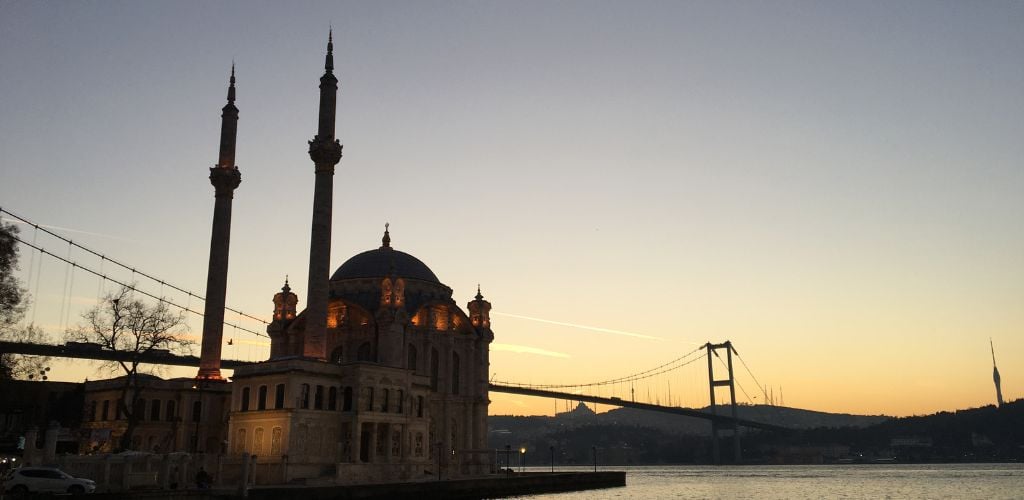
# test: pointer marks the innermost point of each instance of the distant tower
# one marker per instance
(325, 151)
(995, 375)
(284, 313)
(225, 178)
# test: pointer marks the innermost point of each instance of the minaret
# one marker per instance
(995, 375)
(325, 151)
(225, 178)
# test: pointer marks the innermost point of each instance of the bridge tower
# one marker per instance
(730, 383)
(325, 151)
(225, 178)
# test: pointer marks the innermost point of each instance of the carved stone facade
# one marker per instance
(404, 384)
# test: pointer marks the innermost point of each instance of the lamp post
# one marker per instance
(552, 450)
(197, 416)
(522, 460)
(594, 449)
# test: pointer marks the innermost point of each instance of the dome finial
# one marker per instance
(479, 296)
(386, 240)
(286, 288)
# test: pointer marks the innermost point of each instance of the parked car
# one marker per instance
(45, 480)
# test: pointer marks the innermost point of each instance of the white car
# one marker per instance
(45, 480)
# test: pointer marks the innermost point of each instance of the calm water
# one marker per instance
(981, 481)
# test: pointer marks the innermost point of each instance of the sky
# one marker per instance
(836, 187)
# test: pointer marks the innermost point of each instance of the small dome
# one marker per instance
(382, 262)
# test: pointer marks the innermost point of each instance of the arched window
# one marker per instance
(92, 411)
(279, 396)
(456, 366)
(384, 401)
(170, 410)
(369, 398)
(106, 410)
(365, 352)
(261, 398)
(337, 355)
(346, 402)
(154, 410)
(332, 398)
(240, 441)
(318, 398)
(257, 441)
(304, 397)
(435, 366)
(419, 406)
(139, 411)
(197, 411)
(411, 364)
(401, 401)
(275, 441)
(245, 399)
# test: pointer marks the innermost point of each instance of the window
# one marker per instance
(170, 411)
(411, 364)
(261, 401)
(197, 411)
(304, 396)
(435, 365)
(106, 409)
(275, 441)
(384, 402)
(346, 402)
(369, 398)
(240, 441)
(245, 399)
(139, 409)
(401, 401)
(92, 411)
(120, 409)
(337, 356)
(456, 364)
(365, 352)
(154, 410)
(257, 441)
(419, 406)
(318, 398)
(332, 399)
(279, 397)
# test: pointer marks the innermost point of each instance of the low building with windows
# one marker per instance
(175, 415)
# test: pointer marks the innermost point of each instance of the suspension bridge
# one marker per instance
(704, 370)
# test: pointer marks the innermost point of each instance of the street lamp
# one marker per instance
(594, 449)
(552, 449)
(508, 456)
(522, 459)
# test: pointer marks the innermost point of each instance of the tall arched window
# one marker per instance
(318, 398)
(435, 366)
(346, 401)
(304, 397)
(170, 410)
(419, 406)
(332, 398)
(456, 365)
(401, 401)
(92, 411)
(154, 410)
(336, 355)
(384, 400)
(240, 441)
(365, 352)
(197, 411)
(411, 364)
(279, 397)
(261, 398)
(245, 399)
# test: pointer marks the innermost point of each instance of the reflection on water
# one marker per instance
(980, 481)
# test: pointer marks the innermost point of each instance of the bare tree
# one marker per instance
(14, 300)
(124, 323)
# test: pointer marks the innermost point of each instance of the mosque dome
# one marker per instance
(384, 261)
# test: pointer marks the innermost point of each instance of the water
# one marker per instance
(959, 481)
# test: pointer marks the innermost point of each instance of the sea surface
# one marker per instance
(959, 481)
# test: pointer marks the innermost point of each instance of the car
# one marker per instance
(46, 480)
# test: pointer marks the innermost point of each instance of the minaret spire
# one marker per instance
(225, 177)
(995, 375)
(325, 151)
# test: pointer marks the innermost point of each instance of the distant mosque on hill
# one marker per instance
(382, 377)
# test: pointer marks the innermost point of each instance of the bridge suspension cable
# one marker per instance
(43, 251)
(675, 364)
(104, 258)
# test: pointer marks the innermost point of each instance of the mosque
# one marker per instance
(383, 377)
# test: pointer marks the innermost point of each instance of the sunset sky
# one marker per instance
(836, 187)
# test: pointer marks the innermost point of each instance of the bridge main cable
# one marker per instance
(122, 265)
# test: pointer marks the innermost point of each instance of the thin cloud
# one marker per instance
(524, 349)
(67, 229)
(582, 327)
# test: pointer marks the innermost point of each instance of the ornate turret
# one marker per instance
(325, 151)
(225, 177)
(480, 311)
(285, 303)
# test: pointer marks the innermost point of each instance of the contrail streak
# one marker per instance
(582, 327)
(525, 349)
(67, 229)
